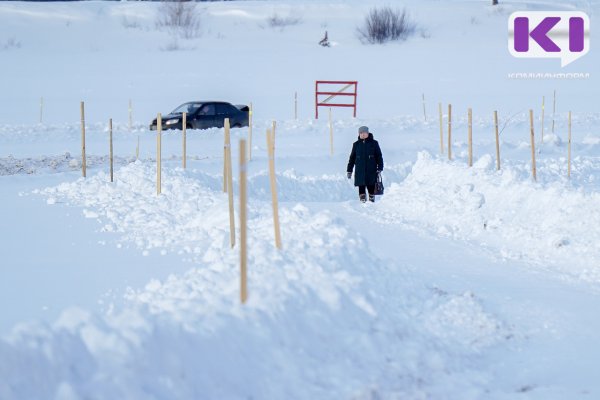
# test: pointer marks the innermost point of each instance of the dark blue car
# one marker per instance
(204, 115)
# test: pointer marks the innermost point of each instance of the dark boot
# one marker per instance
(363, 198)
(372, 198)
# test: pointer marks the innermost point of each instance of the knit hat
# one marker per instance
(363, 129)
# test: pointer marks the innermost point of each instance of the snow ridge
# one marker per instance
(319, 318)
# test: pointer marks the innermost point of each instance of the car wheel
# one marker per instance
(237, 126)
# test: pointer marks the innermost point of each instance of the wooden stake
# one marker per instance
(569, 165)
(158, 154)
(470, 137)
(424, 111)
(497, 140)
(295, 105)
(553, 111)
(229, 183)
(449, 131)
(41, 110)
(243, 224)
(543, 113)
(441, 129)
(83, 162)
(533, 168)
(110, 130)
(183, 128)
(130, 116)
(273, 189)
(250, 133)
(330, 133)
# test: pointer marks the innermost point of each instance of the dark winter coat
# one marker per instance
(366, 156)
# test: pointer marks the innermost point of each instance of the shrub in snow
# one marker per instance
(180, 16)
(386, 24)
(275, 21)
(10, 43)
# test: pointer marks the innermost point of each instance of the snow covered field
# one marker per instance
(458, 283)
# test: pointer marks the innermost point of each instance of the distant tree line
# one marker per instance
(120, 0)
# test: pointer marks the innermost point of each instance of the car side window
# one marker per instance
(223, 109)
(207, 109)
(192, 108)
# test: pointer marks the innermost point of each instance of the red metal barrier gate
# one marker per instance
(330, 86)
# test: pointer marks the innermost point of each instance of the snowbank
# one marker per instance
(552, 223)
(321, 320)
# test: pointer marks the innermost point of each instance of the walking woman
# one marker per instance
(366, 157)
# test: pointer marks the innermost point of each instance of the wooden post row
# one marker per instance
(441, 129)
(497, 140)
(229, 183)
(274, 201)
(449, 131)
(83, 161)
(158, 154)
(533, 167)
(110, 156)
(243, 224)
(183, 128)
(470, 137)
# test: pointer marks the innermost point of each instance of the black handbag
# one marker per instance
(379, 185)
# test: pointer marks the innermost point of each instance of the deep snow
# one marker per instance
(457, 283)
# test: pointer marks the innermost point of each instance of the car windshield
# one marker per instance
(189, 108)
